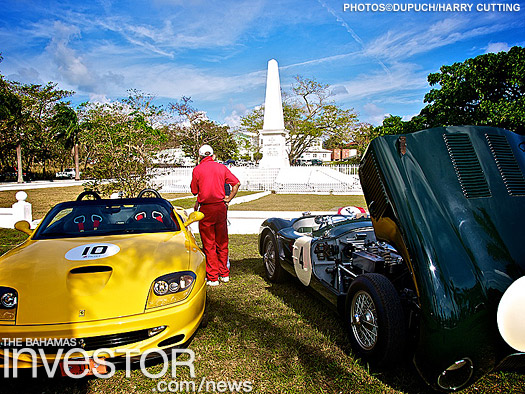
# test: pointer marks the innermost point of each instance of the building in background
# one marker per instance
(344, 153)
(173, 157)
(314, 153)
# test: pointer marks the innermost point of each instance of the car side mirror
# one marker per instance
(24, 226)
(194, 217)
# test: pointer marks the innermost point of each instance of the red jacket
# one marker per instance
(208, 181)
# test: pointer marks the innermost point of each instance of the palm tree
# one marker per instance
(10, 118)
(65, 124)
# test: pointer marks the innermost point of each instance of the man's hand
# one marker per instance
(235, 188)
(196, 206)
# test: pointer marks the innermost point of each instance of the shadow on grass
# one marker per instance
(277, 348)
(26, 384)
(321, 315)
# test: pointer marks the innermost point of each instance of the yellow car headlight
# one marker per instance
(170, 288)
(8, 303)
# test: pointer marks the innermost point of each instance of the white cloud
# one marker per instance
(73, 69)
(495, 47)
(169, 81)
(403, 77)
(234, 118)
(26, 75)
(403, 43)
(374, 114)
(406, 118)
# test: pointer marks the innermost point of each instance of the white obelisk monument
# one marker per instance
(273, 134)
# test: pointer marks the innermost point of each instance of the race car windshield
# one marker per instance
(107, 217)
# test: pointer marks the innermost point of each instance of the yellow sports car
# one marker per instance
(122, 274)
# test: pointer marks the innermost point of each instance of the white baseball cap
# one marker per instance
(205, 150)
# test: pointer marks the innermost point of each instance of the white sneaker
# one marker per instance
(212, 283)
(224, 279)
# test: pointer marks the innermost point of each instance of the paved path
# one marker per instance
(38, 184)
(249, 222)
(240, 222)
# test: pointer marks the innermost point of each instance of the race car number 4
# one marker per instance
(92, 252)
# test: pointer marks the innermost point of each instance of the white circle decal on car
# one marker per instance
(92, 252)
(301, 259)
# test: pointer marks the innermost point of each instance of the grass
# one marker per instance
(9, 239)
(300, 202)
(190, 201)
(280, 337)
(277, 336)
(44, 199)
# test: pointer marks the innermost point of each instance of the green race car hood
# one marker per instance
(452, 202)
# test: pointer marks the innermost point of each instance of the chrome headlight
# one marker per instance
(457, 375)
(161, 287)
(170, 288)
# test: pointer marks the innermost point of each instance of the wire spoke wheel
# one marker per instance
(364, 320)
(375, 319)
(269, 257)
(271, 260)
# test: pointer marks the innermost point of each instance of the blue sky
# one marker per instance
(216, 52)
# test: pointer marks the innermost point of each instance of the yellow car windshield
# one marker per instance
(105, 217)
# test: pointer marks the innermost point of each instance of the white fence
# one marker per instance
(337, 179)
(20, 210)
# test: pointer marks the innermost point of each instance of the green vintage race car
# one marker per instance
(438, 269)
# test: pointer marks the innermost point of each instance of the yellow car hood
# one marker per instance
(101, 278)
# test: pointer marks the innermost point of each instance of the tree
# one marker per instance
(123, 142)
(363, 134)
(65, 125)
(36, 135)
(194, 129)
(10, 120)
(308, 116)
(486, 90)
(253, 124)
(10, 116)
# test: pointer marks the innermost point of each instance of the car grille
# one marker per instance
(92, 343)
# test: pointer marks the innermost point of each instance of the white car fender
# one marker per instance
(302, 260)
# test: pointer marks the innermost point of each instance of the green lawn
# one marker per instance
(300, 202)
(44, 199)
(278, 336)
(190, 201)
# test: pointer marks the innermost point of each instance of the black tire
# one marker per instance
(271, 260)
(375, 321)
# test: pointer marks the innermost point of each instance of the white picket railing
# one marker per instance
(20, 210)
(337, 179)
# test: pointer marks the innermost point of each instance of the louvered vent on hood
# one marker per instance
(466, 163)
(507, 164)
(373, 186)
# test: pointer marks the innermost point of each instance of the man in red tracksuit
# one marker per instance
(207, 183)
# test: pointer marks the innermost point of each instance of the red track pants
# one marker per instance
(214, 234)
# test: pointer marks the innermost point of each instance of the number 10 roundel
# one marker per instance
(92, 251)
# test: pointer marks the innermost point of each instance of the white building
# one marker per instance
(173, 156)
(316, 151)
